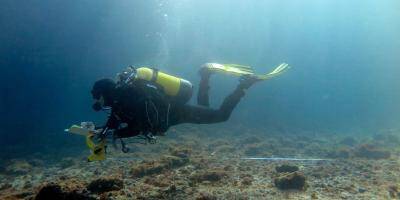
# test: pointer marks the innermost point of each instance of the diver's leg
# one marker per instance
(204, 87)
(194, 114)
(203, 115)
(234, 98)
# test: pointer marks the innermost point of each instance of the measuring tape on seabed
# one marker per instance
(285, 159)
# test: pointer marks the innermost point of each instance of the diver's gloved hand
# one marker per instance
(98, 137)
(100, 134)
(246, 81)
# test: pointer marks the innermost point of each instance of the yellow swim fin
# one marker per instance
(233, 69)
(240, 70)
(277, 71)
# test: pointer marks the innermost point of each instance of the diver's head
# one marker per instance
(103, 93)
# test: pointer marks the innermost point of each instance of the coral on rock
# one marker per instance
(199, 164)
(371, 152)
(158, 166)
(18, 167)
(342, 153)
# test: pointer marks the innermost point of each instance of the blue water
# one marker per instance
(344, 58)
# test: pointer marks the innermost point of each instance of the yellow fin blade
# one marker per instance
(233, 69)
(277, 71)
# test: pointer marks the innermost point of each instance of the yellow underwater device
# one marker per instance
(86, 129)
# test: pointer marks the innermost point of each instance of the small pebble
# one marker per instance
(361, 190)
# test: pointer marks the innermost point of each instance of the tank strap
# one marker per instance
(155, 75)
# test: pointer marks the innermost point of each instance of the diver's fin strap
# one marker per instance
(154, 75)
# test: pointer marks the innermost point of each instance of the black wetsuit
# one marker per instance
(142, 108)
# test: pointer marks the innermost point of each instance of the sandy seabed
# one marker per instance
(206, 163)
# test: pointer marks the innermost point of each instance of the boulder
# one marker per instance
(174, 161)
(18, 167)
(211, 176)
(206, 196)
(147, 168)
(54, 191)
(181, 152)
(105, 185)
(157, 167)
(67, 162)
(286, 168)
(343, 153)
(371, 152)
(348, 141)
(293, 180)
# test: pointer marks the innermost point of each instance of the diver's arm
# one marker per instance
(111, 124)
(114, 124)
(122, 130)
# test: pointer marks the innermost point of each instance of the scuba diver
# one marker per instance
(145, 102)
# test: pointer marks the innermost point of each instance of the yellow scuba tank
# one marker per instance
(179, 89)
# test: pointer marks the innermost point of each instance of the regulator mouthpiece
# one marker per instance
(97, 106)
